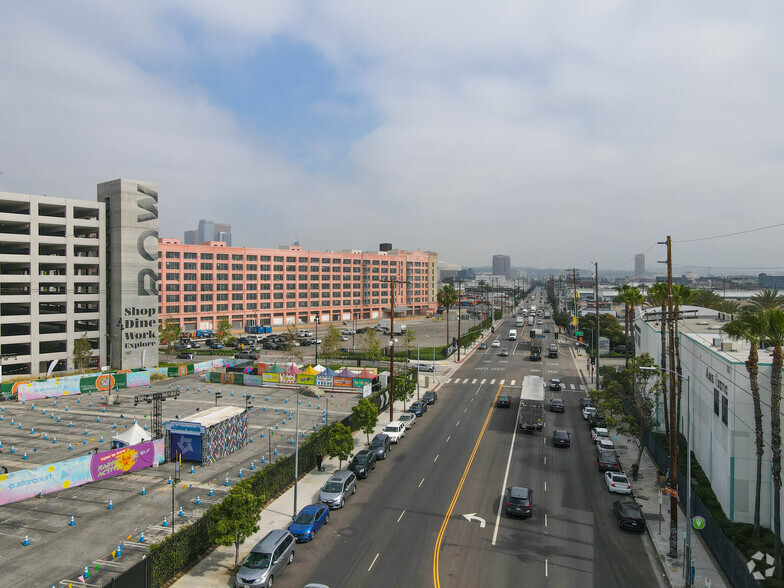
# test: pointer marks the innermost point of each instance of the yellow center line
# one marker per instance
(436, 579)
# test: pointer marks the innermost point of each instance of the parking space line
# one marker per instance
(436, 459)
(448, 438)
(374, 561)
(404, 512)
(457, 423)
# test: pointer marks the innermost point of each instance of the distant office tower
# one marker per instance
(191, 237)
(209, 231)
(502, 265)
(639, 266)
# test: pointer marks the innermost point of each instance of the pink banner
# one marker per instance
(126, 459)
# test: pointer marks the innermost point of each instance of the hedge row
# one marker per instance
(179, 551)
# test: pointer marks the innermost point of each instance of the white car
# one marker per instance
(599, 433)
(408, 419)
(588, 410)
(604, 445)
(496, 343)
(396, 431)
(617, 483)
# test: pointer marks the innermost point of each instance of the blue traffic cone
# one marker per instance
(276, 451)
(26, 541)
(211, 492)
(240, 472)
(25, 455)
(262, 459)
(198, 500)
(144, 491)
(227, 480)
(111, 506)
(70, 446)
(72, 523)
(86, 573)
(181, 513)
(141, 539)
(119, 549)
(192, 469)
(165, 522)
(170, 480)
(252, 466)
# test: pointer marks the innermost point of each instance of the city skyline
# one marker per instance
(285, 120)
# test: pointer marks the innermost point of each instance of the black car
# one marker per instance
(418, 408)
(246, 355)
(503, 401)
(561, 438)
(629, 515)
(519, 501)
(185, 356)
(363, 462)
(585, 402)
(557, 405)
(380, 445)
(608, 461)
(596, 420)
(430, 397)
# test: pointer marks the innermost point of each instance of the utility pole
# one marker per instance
(459, 315)
(673, 423)
(574, 296)
(598, 330)
(392, 282)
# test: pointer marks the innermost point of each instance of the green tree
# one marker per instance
(730, 306)
(236, 518)
(405, 386)
(680, 295)
(409, 340)
(290, 344)
(703, 298)
(170, 332)
(330, 346)
(364, 415)
(224, 330)
(658, 296)
(82, 352)
(447, 297)
(341, 442)
(774, 334)
(749, 326)
(372, 346)
(767, 299)
(631, 297)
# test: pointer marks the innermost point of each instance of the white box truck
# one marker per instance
(513, 334)
(531, 414)
(520, 321)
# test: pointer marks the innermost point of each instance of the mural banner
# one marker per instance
(251, 380)
(342, 382)
(306, 380)
(44, 479)
(270, 377)
(115, 462)
(135, 379)
(47, 388)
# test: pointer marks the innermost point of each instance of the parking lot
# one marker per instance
(45, 429)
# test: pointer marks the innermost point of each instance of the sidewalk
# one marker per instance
(646, 492)
(215, 570)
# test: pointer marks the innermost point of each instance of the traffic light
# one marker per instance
(556, 335)
(593, 361)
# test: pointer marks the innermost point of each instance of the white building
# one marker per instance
(721, 407)
(52, 281)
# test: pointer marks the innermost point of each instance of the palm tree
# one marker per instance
(680, 295)
(705, 299)
(634, 298)
(774, 333)
(447, 297)
(750, 327)
(657, 296)
(623, 297)
(768, 299)
(729, 306)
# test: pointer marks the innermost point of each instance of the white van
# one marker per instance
(513, 334)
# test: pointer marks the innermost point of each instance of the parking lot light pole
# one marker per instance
(296, 455)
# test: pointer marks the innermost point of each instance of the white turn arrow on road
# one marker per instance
(472, 517)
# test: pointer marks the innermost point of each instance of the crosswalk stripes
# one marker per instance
(483, 381)
(512, 383)
(501, 382)
(447, 380)
(492, 381)
(473, 381)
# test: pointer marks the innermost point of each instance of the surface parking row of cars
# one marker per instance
(276, 550)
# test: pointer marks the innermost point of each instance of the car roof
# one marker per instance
(312, 508)
(394, 423)
(362, 452)
(606, 453)
(614, 475)
(560, 432)
(270, 541)
(557, 400)
(518, 492)
(340, 476)
(430, 392)
(597, 429)
(629, 505)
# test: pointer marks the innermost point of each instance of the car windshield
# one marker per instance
(562, 434)
(305, 518)
(360, 459)
(377, 443)
(428, 395)
(333, 487)
(608, 457)
(622, 479)
(391, 429)
(405, 417)
(257, 561)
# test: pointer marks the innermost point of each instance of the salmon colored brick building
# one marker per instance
(200, 284)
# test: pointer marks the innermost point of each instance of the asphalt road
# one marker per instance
(405, 526)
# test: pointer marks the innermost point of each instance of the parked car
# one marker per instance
(362, 463)
(396, 431)
(338, 488)
(483, 345)
(185, 356)
(418, 408)
(195, 345)
(557, 405)
(266, 560)
(503, 401)
(504, 353)
(246, 355)
(629, 515)
(555, 385)
(380, 445)
(308, 521)
(604, 445)
(585, 402)
(519, 501)
(561, 438)
(588, 410)
(430, 397)
(617, 483)
(408, 419)
(599, 432)
(424, 367)
(270, 344)
(546, 330)
(496, 343)
(608, 461)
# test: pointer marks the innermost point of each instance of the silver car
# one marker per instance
(338, 488)
(266, 560)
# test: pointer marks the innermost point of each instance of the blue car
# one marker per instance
(309, 520)
(418, 408)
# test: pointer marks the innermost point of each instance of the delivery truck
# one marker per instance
(531, 412)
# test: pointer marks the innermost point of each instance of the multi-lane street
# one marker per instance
(429, 515)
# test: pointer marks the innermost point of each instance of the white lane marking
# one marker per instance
(374, 561)
(502, 382)
(404, 512)
(512, 383)
(545, 569)
(492, 381)
(473, 381)
(545, 518)
(483, 381)
(503, 485)
(544, 441)
(457, 423)
(448, 438)
(465, 410)
(472, 399)
(420, 484)
(447, 380)
(436, 459)
(545, 461)
(545, 485)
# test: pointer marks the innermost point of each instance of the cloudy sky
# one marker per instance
(557, 133)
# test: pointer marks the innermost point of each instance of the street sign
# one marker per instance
(698, 523)
(579, 333)
(671, 491)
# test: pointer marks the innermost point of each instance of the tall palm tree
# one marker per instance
(705, 299)
(680, 295)
(749, 326)
(623, 297)
(657, 296)
(774, 334)
(768, 299)
(729, 306)
(634, 298)
(447, 297)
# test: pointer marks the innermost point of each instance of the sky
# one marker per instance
(560, 134)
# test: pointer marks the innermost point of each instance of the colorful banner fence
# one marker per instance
(62, 475)
(302, 379)
(71, 385)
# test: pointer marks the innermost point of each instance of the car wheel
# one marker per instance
(270, 582)
(354, 490)
(326, 520)
(291, 555)
(620, 524)
(374, 465)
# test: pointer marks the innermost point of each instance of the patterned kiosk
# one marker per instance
(207, 436)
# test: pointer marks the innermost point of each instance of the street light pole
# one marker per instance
(296, 455)
(317, 322)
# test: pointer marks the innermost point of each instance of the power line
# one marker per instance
(730, 234)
